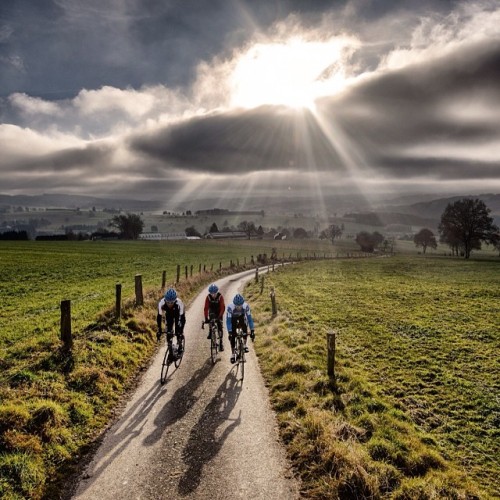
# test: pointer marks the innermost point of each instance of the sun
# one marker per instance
(292, 72)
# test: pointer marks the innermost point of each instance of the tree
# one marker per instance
(130, 226)
(213, 228)
(300, 233)
(465, 224)
(425, 238)
(368, 242)
(247, 227)
(192, 231)
(331, 233)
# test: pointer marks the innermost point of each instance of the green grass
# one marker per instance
(414, 412)
(53, 403)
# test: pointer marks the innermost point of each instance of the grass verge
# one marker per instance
(412, 411)
(56, 403)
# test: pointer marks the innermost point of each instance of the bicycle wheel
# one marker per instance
(214, 346)
(165, 366)
(178, 359)
(241, 358)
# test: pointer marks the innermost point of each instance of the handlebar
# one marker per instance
(203, 323)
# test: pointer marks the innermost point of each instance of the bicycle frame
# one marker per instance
(214, 341)
(171, 357)
(240, 351)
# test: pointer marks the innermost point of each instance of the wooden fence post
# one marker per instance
(273, 302)
(139, 298)
(330, 340)
(178, 273)
(163, 279)
(262, 284)
(256, 275)
(220, 266)
(186, 271)
(118, 302)
(191, 271)
(66, 324)
(199, 269)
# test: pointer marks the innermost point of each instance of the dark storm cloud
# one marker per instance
(266, 138)
(87, 160)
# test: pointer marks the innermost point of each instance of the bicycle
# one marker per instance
(214, 340)
(240, 351)
(172, 355)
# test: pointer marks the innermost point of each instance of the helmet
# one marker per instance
(213, 288)
(171, 295)
(238, 300)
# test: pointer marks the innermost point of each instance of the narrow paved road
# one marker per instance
(202, 435)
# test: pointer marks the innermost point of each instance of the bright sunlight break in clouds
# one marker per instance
(154, 100)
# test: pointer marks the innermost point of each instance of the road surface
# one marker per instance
(202, 435)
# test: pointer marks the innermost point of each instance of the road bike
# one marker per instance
(214, 338)
(239, 348)
(172, 355)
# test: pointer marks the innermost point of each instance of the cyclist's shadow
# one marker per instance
(179, 404)
(203, 444)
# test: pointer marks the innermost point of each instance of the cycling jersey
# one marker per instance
(239, 313)
(214, 305)
(174, 316)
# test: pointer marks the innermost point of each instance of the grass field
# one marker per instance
(52, 403)
(415, 409)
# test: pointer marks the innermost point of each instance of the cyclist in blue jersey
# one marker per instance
(238, 315)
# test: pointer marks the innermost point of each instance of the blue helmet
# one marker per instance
(170, 295)
(213, 288)
(238, 300)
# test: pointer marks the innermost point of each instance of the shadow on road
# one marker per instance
(203, 443)
(118, 439)
(178, 405)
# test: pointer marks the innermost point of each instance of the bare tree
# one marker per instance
(465, 224)
(425, 238)
(331, 233)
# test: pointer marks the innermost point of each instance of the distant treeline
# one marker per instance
(14, 235)
(222, 211)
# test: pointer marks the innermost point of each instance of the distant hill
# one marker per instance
(410, 209)
(76, 201)
(433, 209)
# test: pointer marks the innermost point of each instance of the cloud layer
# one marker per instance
(385, 99)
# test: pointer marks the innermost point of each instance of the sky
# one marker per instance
(175, 100)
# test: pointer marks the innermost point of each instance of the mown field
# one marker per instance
(414, 410)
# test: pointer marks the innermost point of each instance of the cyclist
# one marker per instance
(172, 307)
(215, 307)
(238, 315)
